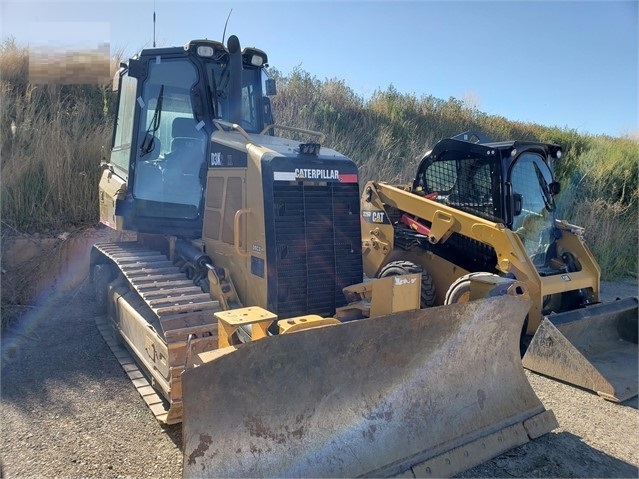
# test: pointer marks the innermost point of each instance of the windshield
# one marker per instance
(171, 146)
(218, 78)
(530, 177)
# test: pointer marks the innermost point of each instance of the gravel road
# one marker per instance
(68, 410)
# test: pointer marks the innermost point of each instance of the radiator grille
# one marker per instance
(318, 246)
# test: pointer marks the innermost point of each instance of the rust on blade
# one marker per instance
(371, 397)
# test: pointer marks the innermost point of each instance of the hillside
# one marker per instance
(52, 138)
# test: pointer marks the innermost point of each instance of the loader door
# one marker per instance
(531, 203)
(166, 150)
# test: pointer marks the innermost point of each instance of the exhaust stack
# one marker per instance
(235, 79)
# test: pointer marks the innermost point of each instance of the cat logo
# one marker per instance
(378, 217)
(315, 174)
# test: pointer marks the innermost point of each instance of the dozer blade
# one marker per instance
(436, 390)
(594, 348)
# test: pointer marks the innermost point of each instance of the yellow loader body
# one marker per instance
(585, 346)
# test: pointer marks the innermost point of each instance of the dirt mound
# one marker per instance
(33, 266)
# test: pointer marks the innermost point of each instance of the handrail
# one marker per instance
(232, 126)
(236, 231)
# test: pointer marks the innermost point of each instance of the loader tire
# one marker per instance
(459, 291)
(397, 268)
(103, 274)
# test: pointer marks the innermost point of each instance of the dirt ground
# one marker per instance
(68, 410)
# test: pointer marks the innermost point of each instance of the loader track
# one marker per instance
(171, 315)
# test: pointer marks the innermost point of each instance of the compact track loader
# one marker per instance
(241, 311)
(479, 210)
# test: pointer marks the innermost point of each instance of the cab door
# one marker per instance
(159, 150)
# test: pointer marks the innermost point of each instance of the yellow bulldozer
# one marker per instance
(240, 308)
(479, 210)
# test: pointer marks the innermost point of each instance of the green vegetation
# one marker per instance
(50, 164)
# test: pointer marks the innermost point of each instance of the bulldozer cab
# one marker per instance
(168, 101)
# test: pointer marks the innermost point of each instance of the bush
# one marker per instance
(602, 197)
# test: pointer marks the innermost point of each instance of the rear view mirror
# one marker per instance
(137, 69)
(271, 89)
(555, 187)
(268, 112)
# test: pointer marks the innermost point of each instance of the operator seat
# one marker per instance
(185, 134)
(185, 161)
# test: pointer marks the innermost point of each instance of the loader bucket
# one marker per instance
(435, 390)
(594, 348)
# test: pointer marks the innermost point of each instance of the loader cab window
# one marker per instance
(469, 183)
(440, 177)
(530, 177)
(171, 147)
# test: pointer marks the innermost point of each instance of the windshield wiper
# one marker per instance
(549, 201)
(148, 143)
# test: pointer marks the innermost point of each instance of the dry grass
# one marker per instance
(602, 196)
(52, 138)
(611, 234)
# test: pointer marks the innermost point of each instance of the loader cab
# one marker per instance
(506, 182)
(464, 175)
(168, 102)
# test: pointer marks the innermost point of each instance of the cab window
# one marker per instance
(171, 146)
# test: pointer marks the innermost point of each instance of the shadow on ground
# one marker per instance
(53, 355)
(554, 455)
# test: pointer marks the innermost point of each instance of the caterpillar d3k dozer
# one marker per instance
(479, 210)
(240, 308)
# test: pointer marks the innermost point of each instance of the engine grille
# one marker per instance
(318, 246)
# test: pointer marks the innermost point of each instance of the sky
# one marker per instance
(570, 64)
